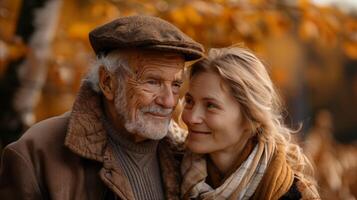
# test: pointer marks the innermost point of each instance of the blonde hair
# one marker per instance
(252, 87)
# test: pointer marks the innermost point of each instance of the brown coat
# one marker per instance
(67, 157)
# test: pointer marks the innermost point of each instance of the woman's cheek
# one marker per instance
(212, 122)
(184, 116)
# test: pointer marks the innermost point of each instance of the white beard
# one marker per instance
(147, 126)
(143, 124)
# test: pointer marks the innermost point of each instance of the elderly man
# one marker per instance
(112, 144)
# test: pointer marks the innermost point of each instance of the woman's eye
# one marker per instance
(188, 101)
(211, 106)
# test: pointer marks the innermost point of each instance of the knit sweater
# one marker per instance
(139, 162)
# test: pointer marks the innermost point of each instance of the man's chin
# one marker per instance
(156, 130)
(150, 130)
(151, 136)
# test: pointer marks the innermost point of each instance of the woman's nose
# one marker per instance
(192, 116)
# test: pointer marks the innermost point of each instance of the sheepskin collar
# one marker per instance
(86, 136)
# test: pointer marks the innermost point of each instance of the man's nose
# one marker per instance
(166, 98)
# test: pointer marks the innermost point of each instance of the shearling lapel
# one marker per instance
(87, 137)
(113, 176)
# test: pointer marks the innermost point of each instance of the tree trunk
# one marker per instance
(21, 85)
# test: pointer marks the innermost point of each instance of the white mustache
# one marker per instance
(155, 109)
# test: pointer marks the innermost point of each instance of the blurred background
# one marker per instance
(309, 46)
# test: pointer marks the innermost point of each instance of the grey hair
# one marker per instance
(114, 62)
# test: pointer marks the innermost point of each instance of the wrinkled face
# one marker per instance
(151, 93)
(212, 115)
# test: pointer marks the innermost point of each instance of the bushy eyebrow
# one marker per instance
(158, 77)
(179, 81)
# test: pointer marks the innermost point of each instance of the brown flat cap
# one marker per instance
(143, 32)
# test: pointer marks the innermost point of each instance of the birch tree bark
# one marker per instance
(22, 82)
(32, 72)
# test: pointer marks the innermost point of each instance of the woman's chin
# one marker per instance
(197, 147)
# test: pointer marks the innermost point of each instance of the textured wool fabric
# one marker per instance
(276, 181)
(239, 185)
(278, 178)
(215, 177)
(144, 32)
(139, 161)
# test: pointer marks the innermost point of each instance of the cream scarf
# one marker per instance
(239, 185)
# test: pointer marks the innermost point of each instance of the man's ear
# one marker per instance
(106, 83)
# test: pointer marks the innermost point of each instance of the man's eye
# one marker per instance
(153, 82)
(177, 85)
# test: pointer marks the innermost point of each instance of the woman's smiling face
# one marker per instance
(212, 115)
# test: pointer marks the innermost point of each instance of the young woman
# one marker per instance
(238, 145)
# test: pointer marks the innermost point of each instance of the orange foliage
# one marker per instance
(214, 23)
(281, 33)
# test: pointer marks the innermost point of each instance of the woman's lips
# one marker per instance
(199, 132)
